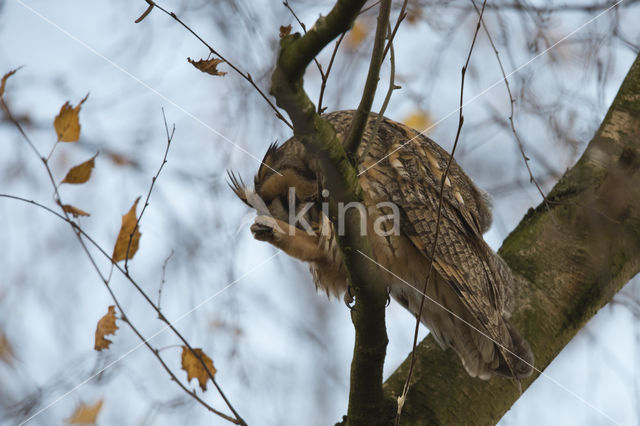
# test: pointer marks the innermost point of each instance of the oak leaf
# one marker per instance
(192, 365)
(68, 208)
(106, 325)
(67, 122)
(86, 414)
(285, 31)
(128, 237)
(209, 66)
(80, 173)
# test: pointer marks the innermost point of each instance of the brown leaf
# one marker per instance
(4, 80)
(209, 66)
(357, 34)
(106, 325)
(67, 122)
(6, 351)
(285, 31)
(80, 173)
(68, 208)
(128, 231)
(86, 414)
(419, 120)
(192, 365)
(121, 159)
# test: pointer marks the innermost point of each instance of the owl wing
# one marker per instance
(462, 258)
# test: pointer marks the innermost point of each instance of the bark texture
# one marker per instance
(569, 258)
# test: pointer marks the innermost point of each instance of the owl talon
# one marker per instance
(348, 297)
(388, 297)
(262, 232)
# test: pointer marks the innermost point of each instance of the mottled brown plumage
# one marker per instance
(470, 281)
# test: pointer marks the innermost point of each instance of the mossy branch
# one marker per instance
(569, 260)
(366, 400)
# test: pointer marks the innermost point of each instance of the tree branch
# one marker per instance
(569, 260)
(366, 402)
(360, 118)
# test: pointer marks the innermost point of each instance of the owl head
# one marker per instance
(286, 180)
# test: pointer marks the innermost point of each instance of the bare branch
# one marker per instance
(407, 382)
(244, 75)
(360, 118)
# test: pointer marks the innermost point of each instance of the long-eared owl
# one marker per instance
(468, 299)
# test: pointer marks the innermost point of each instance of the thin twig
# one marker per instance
(512, 102)
(405, 389)
(368, 8)
(246, 76)
(162, 280)
(153, 182)
(401, 16)
(78, 232)
(326, 75)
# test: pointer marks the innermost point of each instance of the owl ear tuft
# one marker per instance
(238, 186)
(267, 161)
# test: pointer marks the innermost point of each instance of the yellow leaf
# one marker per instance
(67, 123)
(68, 208)
(4, 80)
(210, 66)
(128, 232)
(106, 325)
(357, 35)
(284, 31)
(192, 365)
(85, 414)
(419, 120)
(80, 173)
(6, 351)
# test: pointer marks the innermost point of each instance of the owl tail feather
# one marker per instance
(520, 358)
(483, 358)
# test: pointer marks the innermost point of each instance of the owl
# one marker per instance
(468, 298)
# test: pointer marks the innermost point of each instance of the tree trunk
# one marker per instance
(569, 257)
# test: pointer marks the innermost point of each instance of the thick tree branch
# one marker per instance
(366, 402)
(569, 260)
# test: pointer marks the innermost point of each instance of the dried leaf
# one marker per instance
(106, 325)
(144, 14)
(357, 35)
(86, 414)
(414, 14)
(129, 222)
(80, 173)
(192, 365)
(6, 351)
(285, 31)
(121, 159)
(4, 80)
(210, 66)
(67, 122)
(68, 208)
(419, 120)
